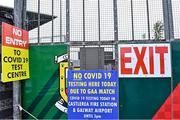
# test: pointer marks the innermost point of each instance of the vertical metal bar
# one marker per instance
(116, 35)
(99, 32)
(24, 25)
(60, 20)
(132, 19)
(19, 18)
(116, 32)
(67, 21)
(84, 34)
(169, 35)
(39, 21)
(99, 24)
(148, 19)
(68, 32)
(168, 19)
(171, 25)
(52, 41)
(172, 88)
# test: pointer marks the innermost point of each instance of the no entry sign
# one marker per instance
(15, 53)
(144, 60)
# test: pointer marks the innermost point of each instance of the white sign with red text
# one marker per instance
(144, 60)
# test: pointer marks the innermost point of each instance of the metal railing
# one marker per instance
(93, 20)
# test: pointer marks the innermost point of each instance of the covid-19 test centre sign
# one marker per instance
(144, 60)
(15, 53)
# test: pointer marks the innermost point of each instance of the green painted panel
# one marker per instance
(176, 62)
(41, 91)
(140, 98)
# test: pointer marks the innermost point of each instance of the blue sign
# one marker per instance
(93, 94)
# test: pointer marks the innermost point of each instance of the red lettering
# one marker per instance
(151, 60)
(161, 51)
(140, 60)
(125, 60)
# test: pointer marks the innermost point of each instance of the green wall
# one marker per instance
(41, 91)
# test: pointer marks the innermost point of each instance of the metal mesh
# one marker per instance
(96, 21)
(46, 29)
(75, 56)
(32, 5)
(106, 20)
(176, 18)
(140, 20)
(91, 20)
(54, 13)
(76, 20)
(63, 20)
(135, 18)
(155, 14)
(125, 22)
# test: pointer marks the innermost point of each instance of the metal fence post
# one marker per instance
(39, 21)
(168, 19)
(132, 19)
(52, 41)
(115, 32)
(60, 20)
(99, 32)
(84, 28)
(19, 18)
(148, 19)
(68, 32)
(169, 35)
